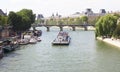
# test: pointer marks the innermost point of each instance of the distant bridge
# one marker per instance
(62, 25)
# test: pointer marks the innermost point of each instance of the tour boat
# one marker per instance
(62, 39)
(23, 41)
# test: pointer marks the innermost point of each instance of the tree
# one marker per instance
(99, 29)
(3, 20)
(51, 21)
(15, 21)
(117, 32)
(78, 20)
(71, 21)
(84, 19)
(60, 22)
(41, 21)
(106, 25)
(21, 20)
(28, 13)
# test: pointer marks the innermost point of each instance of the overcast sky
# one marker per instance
(63, 7)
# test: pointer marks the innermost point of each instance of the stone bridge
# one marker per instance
(73, 26)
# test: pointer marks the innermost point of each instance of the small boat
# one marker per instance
(38, 39)
(8, 48)
(33, 41)
(1, 50)
(37, 33)
(62, 39)
(23, 41)
(10, 44)
(15, 43)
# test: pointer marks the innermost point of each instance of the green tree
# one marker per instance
(84, 19)
(21, 20)
(78, 20)
(106, 25)
(99, 29)
(51, 21)
(116, 33)
(3, 20)
(65, 20)
(15, 21)
(28, 13)
(71, 21)
(39, 21)
(60, 21)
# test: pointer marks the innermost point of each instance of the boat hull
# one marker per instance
(60, 43)
(1, 53)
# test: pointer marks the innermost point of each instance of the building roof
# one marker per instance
(40, 16)
(2, 13)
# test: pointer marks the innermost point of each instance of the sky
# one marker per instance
(62, 7)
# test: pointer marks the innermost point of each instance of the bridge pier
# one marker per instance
(73, 28)
(85, 28)
(48, 29)
(61, 28)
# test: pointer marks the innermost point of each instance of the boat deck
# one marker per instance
(62, 39)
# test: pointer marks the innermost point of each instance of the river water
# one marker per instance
(84, 54)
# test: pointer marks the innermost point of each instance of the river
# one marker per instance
(84, 54)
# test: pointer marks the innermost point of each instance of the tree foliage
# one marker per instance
(84, 19)
(15, 20)
(3, 20)
(27, 13)
(116, 33)
(71, 21)
(106, 25)
(78, 20)
(21, 20)
(51, 21)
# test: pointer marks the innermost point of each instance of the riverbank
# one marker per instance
(115, 42)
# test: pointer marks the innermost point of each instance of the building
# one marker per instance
(1, 28)
(57, 16)
(5, 31)
(40, 19)
(102, 12)
(88, 12)
(2, 13)
(40, 16)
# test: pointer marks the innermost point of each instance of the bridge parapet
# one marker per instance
(62, 25)
(39, 25)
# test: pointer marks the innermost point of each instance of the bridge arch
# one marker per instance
(64, 25)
